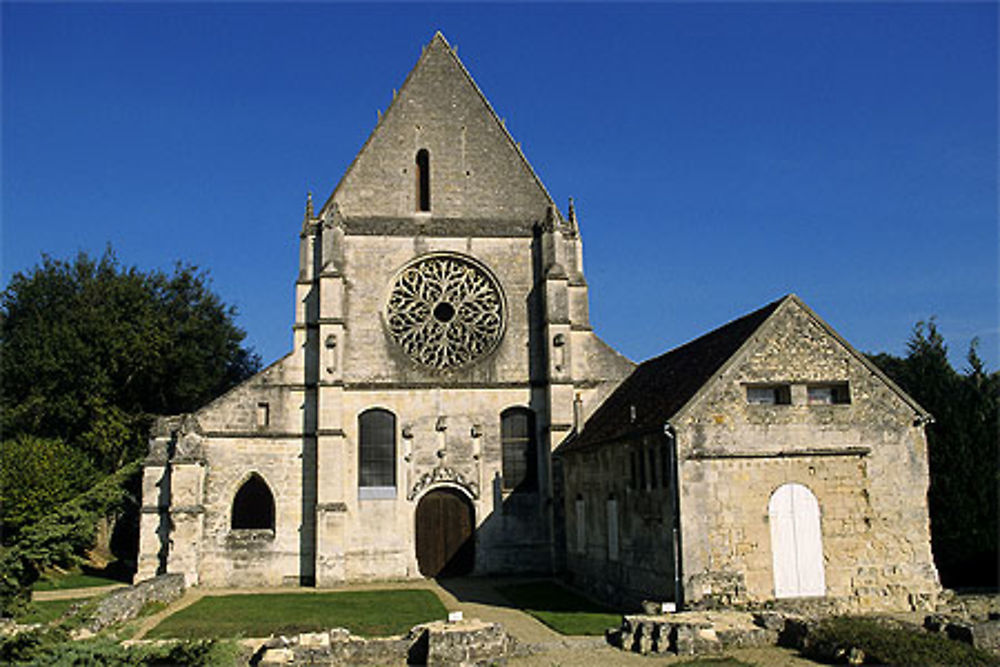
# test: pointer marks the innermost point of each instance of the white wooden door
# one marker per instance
(796, 543)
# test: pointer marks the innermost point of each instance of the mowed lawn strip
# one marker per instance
(75, 580)
(46, 611)
(365, 613)
(561, 609)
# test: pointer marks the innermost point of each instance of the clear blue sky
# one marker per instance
(720, 155)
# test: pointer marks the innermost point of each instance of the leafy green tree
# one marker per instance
(962, 445)
(36, 475)
(90, 350)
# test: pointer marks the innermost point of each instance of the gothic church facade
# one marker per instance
(442, 349)
(442, 353)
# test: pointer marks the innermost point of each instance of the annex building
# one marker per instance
(447, 409)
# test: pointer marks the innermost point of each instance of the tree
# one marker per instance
(90, 350)
(962, 446)
(37, 474)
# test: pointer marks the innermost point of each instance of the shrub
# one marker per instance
(886, 643)
(54, 648)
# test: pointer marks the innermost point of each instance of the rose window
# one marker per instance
(445, 311)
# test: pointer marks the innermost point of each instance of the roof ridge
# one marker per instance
(500, 122)
(685, 369)
(773, 305)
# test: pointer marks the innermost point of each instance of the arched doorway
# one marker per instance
(446, 545)
(796, 542)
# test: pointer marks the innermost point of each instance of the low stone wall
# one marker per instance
(469, 642)
(126, 603)
(692, 633)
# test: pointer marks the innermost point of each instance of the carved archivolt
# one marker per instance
(443, 474)
(446, 310)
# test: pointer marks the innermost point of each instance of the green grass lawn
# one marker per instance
(366, 613)
(561, 609)
(46, 611)
(73, 580)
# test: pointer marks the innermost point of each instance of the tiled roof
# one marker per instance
(661, 386)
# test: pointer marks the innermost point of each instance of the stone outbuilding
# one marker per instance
(442, 350)
(766, 459)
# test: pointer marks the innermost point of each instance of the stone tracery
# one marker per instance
(445, 311)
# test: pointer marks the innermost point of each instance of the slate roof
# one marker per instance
(661, 386)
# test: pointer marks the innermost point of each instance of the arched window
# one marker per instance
(520, 452)
(377, 449)
(423, 180)
(253, 506)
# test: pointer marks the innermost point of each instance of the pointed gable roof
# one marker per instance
(477, 169)
(661, 386)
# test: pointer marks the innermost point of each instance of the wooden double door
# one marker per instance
(445, 534)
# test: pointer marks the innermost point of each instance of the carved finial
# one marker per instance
(572, 212)
(549, 224)
(309, 206)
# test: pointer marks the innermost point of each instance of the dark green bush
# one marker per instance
(52, 648)
(887, 643)
(61, 538)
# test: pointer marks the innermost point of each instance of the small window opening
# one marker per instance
(263, 415)
(828, 394)
(253, 506)
(377, 449)
(665, 463)
(652, 468)
(633, 478)
(423, 180)
(779, 394)
(642, 470)
(519, 449)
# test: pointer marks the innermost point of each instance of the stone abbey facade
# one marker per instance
(443, 353)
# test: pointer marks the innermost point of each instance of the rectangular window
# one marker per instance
(581, 526)
(519, 452)
(641, 455)
(612, 529)
(263, 415)
(377, 460)
(775, 394)
(828, 394)
(652, 467)
(633, 472)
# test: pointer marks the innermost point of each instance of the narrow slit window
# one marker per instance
(652, 467)
(263, 415)
(423, 180)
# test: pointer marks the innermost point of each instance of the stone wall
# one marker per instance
(865, 461)
(476, 169)
(601, 482)
(126, 603)
(468, 642)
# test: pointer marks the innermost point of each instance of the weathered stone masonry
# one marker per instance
(442, 349)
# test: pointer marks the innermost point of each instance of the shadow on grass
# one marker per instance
(85, 577)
